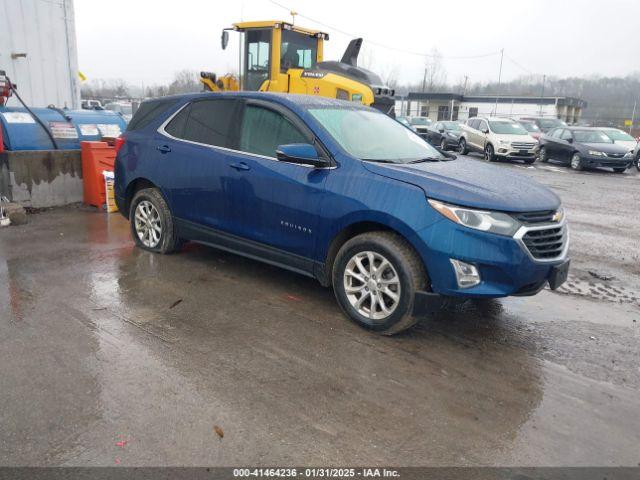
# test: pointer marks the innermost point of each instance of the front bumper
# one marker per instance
(509, 153)
(598, 162)
(505, 264)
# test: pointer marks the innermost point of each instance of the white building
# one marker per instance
(38, 51)
(451, 106)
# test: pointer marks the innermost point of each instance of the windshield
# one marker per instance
(551, 123)
(404, 121)
(507, 128)
(530, 127)
(420, 121)
(370, 135)
(591, 136)
(619, 135)
(451, 126)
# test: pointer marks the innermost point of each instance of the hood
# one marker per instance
(607, 147)
(472, 184)
(514, 138)
(628, 144)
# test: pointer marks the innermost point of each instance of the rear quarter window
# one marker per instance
(148, 112)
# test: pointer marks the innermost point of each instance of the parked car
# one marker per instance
(124, 109)
(498, 139)
(405, 121)
(545, 123)
(444, 134)
(582, 147)
(91, 105)
(339, 192)
(421, 125)
(620, 137)
(636, 156)
(531, 127)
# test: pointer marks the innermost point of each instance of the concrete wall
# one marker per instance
(41, 178)
(43, 31)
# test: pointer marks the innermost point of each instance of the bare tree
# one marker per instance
(435, 75)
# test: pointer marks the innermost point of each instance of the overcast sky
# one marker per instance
(146, 41)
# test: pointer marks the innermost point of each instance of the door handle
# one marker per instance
(240, 166)
(163, 148)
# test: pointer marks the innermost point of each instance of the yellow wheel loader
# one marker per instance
(281, 57)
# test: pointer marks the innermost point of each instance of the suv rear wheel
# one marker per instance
(151, 222)
(375, 279)
(462, 147)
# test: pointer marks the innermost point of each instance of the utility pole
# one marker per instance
(424, 80)
(495, 110)
(464, 89)
(633, 114)
(544, 78)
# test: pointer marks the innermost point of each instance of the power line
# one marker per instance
(382, 45)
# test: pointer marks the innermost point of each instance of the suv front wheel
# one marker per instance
(151, 222)
(375, 278)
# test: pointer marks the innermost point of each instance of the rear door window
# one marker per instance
(263, 130)
(482, 125)
(210, 122)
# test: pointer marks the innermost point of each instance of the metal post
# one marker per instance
(495, 110)
(544, 77)
(633, 115)
(451, 113)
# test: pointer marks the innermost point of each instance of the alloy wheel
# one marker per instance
(488, 153)
(443, 145)
(148, 224)
(372, 285)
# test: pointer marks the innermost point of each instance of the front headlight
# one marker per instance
(596, 153)
(452, 135)
(493, 222)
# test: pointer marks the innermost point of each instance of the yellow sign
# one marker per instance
(628, 123)
(82, 77)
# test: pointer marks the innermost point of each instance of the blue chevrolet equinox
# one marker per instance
(339, 192)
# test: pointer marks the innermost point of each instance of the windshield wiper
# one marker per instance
(378, 160)
(426, 159)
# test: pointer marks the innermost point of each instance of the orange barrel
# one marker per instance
(96, 157)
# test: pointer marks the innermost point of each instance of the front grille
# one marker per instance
(547, 243)
(615, 155)
(529, 218)
(523, 145)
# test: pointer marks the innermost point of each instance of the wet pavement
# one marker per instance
(110, 355)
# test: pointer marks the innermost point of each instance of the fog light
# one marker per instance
(467, 275)
(502, 150)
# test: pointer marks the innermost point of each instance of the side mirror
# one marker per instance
(302, 153)
(570, 140)
(441, 130)
(485, 131)
(224, 39)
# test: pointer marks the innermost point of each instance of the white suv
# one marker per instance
(497, 138)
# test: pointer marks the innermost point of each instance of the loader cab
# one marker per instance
(271, 49)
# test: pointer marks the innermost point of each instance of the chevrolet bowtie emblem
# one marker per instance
(557, 216)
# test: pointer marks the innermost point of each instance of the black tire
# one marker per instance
(576, 162)
(168, 240)
(620, 170)
(443, 145)
(489, 153)
(637, 163)
(542, 155)
(462, 147)
(410, 271)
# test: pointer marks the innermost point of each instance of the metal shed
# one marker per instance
(38, 51)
